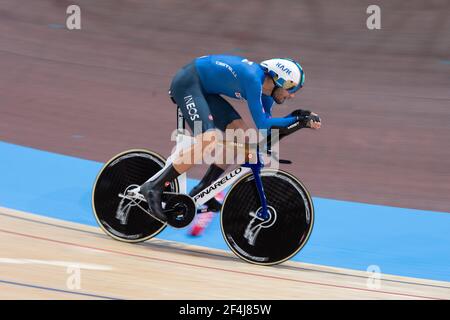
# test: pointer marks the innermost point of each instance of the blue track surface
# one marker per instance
(405, 242)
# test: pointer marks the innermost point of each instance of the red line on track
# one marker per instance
(215, 268)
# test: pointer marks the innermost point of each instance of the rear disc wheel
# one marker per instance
(125, 219)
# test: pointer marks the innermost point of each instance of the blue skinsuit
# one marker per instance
(208, 77)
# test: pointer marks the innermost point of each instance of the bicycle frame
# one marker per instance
(184, 141)
(221, 183)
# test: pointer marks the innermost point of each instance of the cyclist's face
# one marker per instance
(280, 95)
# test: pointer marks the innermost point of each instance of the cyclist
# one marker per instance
(197, 88)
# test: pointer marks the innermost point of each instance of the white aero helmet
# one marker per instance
(286, 73)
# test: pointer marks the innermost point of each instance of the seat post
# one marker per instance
(180, 118)
(180, 121)
(182, 179)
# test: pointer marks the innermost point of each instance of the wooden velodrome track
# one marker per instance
(37, 252)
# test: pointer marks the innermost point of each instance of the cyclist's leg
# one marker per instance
(224, 117)
(241, 133)
(187, 92)
(228, 120)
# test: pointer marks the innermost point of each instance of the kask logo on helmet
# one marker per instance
(284, 68)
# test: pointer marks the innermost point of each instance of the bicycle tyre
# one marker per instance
(283, 237)
(131, 167)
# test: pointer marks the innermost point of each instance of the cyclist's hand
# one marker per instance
(307, 118)
(315, 122)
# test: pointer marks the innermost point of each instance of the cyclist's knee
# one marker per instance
(212, 146)
(211, 138)
(237, 124)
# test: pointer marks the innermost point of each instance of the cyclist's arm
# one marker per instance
(262, 121)
(267, 103)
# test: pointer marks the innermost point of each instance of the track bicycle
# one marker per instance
(266, 218)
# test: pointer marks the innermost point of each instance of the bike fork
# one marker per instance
(256, 169)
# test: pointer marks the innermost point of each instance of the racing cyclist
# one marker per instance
(197, 88)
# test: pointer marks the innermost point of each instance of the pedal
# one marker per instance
(202, 210)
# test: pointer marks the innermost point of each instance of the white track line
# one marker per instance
(65, 264)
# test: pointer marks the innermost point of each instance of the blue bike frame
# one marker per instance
(256, 169)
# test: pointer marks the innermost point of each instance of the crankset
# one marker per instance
(179, 208)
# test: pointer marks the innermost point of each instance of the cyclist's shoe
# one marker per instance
(211, 174)
(152, 191)
(153, 197)
(213, 205)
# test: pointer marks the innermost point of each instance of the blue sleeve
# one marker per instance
(260, 117)
(267, 103)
